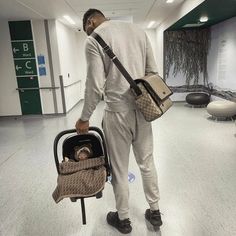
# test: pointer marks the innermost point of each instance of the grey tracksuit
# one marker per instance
(123, 124)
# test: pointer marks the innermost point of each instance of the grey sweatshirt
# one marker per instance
(133, 49)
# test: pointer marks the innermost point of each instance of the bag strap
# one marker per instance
(118, 64)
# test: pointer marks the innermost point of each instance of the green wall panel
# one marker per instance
(20, 30)
(25, 66)
(27, 82)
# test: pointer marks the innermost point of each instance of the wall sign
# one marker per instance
(23, 49)
(25, 66)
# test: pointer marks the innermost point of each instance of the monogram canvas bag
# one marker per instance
(154, 101)
(151, 92)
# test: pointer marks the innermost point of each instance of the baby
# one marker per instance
(81, 153)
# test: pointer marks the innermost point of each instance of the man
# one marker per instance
(123, 124)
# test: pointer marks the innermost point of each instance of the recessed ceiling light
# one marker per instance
(203, 19)
(69, 20)
(169, 1)
(151, 24)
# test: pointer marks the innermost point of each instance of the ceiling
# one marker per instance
(216, 10)
(137, 11)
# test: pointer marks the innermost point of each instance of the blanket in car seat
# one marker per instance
(80, 179)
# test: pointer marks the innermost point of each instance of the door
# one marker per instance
(29, 95)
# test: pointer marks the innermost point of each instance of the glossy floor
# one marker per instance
(195, 158)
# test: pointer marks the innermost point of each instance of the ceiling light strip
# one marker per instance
(69, 19)
(151, 24)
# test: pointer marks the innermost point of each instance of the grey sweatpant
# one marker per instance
(123, 129)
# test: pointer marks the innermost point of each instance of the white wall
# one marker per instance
(40, 44)
(151, 33)
(9, 96)
(222, 55)
(55, 61)
(71, 57)
(81, 37)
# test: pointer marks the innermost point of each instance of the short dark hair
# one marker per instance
(89, 13)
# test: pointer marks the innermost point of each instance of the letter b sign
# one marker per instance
(25, 47)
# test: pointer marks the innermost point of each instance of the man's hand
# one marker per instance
(81, 126)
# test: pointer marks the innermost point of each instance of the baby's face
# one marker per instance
(83, 155)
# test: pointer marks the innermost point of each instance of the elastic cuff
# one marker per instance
(154, 206)
(123, 216)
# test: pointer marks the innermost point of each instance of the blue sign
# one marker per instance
(42, 71)
(41, 60)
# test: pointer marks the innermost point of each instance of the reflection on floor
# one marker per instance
(195, 159)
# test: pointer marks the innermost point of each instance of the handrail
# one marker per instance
(78, 81)
(61, 87)
(49, 87)
(37, 88)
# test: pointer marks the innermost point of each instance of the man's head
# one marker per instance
(92, 19)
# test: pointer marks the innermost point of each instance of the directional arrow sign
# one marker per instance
(23, 49)
(15, 50)
(25, 67)
(18, 67)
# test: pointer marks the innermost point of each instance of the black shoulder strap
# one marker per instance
(118, 64)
